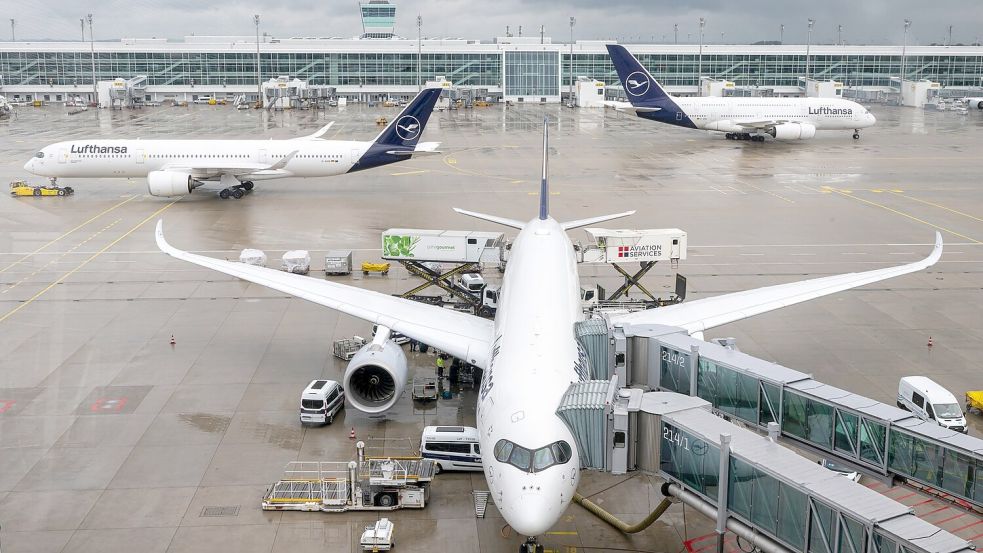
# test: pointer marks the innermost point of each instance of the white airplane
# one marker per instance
(176, 167)
(973, 102)
(528, 353)
(739, 118)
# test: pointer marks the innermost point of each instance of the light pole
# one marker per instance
(948, 41)
(259, 75)
(675, 33)
(92, 53)
(781, 34)
(419, 53)
(839, 35)
(904, 47)
(82, 21)
(699, 71)
(14, 22)
(809, 46)
(573, 21)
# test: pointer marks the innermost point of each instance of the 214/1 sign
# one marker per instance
(675, 437)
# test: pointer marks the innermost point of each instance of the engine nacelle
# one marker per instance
(793, 131)
(375, 376)
(167, 184)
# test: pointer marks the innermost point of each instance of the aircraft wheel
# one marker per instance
(248, 185)
(856, 136)
(729, 136)
(224, 194)
(237, 193)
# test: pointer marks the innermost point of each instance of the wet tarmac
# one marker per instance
(112, 438)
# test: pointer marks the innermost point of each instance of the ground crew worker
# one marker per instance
(440, 366)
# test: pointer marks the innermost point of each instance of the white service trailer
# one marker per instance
(614, 246)
(449, 246)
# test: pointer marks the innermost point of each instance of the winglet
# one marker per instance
(320, 132)
(544, 187)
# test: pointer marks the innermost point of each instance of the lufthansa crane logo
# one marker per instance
(408, 127)
(637, 84)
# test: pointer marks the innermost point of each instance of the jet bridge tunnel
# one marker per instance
(832, 422)
(800, 506)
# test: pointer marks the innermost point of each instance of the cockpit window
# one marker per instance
(39, 155)
(536, 460)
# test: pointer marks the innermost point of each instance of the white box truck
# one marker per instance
(929, 401)
(615, 246)
(452, 246)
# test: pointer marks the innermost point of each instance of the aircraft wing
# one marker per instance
(462, 335)
(699, 315)
(206, 168)
(765, 124)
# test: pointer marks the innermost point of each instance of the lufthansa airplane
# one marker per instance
(176, 167)
(528, 354)
(739, 118)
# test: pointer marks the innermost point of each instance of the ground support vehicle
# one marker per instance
(368, 267)
(425, 388)
(22, 188)
(346, 348)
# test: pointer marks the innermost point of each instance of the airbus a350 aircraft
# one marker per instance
(528, 353)
(739, 118)
(176, 167)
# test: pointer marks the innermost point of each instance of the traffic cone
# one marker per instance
(172, 340)
(351, 435)
(929, 341)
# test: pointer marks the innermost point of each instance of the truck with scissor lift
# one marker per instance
(371, 484)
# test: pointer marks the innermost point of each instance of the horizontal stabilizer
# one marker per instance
(492, 218)
(422, 149)
(594, 220)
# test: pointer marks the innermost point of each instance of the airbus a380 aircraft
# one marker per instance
(528, 353)
(740, 118)
(176, 167)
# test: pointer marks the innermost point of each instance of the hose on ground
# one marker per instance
(607, 517)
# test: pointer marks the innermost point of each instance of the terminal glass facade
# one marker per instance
(239, 68)
(532, 73)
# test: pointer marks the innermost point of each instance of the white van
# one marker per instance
(452, 447)
(321, 401)
(931, 402)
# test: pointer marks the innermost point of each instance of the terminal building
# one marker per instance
(378, 64)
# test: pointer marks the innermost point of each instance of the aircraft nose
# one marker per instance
(29, 166)
(532, 517)
(871, 119)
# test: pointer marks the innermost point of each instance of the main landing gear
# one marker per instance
(745, 136)
(856, 134)
(531, 546)
(237, 191)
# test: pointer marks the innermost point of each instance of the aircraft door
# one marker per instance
(264, 157)
(62, 155)
(140, 156)
(355, 155)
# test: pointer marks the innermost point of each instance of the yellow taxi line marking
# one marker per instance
(940, 206)
(903, 214)
(80, 225)
(86, 262)
(63, 254)
(561, 533)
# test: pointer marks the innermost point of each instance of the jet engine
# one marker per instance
(376, 375)
(170, 183)
(793, 131)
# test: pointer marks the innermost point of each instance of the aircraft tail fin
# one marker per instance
(407, 127)
(641, 88)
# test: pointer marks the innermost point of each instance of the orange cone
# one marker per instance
(172, 340)
(351, 435)
(929, 341)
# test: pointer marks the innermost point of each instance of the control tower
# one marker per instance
(378, 18)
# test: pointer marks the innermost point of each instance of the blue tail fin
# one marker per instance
(644, 92)
(640, 87)
(544, 186)
(407, 127)
(398, 140)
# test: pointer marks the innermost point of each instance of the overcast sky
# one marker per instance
(742, 21)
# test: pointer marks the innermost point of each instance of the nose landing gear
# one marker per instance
(856, 134)
(531, 546)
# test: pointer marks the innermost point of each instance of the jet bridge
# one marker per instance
(775, 499)
(834, 423)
